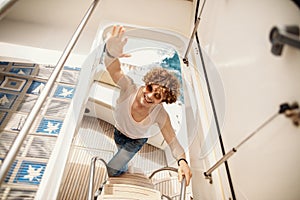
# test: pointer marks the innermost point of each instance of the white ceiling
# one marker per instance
(62, 12)
(53, 12)
(56, 20)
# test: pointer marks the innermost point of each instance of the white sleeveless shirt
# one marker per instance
(125, 123)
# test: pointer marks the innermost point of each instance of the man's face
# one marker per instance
(153, 94)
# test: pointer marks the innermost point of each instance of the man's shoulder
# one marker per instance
(127, 87)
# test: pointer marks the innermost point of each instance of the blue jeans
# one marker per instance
(127, 148)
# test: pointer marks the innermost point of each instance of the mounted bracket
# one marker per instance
(280, 36)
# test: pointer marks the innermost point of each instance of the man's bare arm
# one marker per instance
(176, 149)
(114, 51)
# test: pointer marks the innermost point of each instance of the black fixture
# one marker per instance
(287, 35)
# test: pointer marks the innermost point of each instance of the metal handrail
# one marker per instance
(5, 6)
(163, 169)
(183, 181)
(185, 58)
(92, 174)
(36, 108)
(284, 109)
(165, 196)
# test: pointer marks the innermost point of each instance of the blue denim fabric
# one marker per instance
(127, 148)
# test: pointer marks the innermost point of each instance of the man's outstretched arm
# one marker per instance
(114, 50)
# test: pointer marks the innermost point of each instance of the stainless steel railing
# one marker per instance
(92, 175)
(91, 195)
(183, 182)
(35, 110)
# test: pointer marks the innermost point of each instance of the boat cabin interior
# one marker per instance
(237, 116)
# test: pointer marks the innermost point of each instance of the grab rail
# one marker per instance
(183, 182)
(36, 108)
(92, 174)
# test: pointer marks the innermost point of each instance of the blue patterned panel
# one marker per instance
(3, 66)
(27, 103)
(57, 108)
(64, 92)
(7, 100)
(50, 126)
(36, 87)
(69, 77)
(15, 84)
(72, 68)
(6, 140)
(23, 64)
(2, 63)
(21, 71)
(10, 172)
(41, 147)
(30, 173)
(2, 116)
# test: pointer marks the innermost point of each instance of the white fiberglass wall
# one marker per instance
(235, 35)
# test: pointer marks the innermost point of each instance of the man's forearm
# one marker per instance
(176, 149)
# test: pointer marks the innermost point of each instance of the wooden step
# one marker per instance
(129, 187)
(128, 192)
(132, 179)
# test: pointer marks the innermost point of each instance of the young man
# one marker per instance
(139, 108)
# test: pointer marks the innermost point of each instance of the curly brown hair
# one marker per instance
(165, 79)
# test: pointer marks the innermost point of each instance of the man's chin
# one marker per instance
(146, 103)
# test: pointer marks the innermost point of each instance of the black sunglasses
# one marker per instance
(157, 94)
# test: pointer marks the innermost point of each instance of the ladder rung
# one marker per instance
(126, 191)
